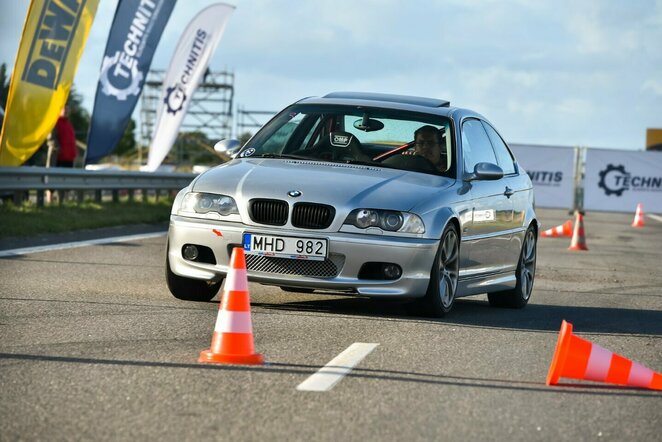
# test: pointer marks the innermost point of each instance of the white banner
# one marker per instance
(552, 172)
(188, 64)
(617, 180)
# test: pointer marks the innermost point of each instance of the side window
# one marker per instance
(476, 146)
(503, 154)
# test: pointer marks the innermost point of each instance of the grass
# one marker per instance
(29, 220)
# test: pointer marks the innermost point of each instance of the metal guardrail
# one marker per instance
(22, 180)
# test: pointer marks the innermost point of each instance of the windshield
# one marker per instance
(349, 134)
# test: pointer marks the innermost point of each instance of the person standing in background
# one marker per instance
(64, 137)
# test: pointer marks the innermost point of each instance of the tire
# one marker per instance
(188, 289)
(440, 295)
(526, 271)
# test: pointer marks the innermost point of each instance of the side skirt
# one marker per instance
(486, 283)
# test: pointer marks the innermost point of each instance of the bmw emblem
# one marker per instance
(248, 152)
(294, 193)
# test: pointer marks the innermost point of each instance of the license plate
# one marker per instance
(314, 249)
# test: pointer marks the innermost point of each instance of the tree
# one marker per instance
(244, 137)
(127, 144)
(193, 148)
(4, 85)
(78, 115)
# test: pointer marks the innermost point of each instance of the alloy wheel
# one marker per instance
(449, 265)
(528, 264)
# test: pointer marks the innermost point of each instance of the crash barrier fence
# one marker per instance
(584, 178)
(20, 183)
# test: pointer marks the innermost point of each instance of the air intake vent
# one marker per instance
(312, 216)
(329, 268)
(270, 212)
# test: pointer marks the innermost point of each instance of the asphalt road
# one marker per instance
(93, 347)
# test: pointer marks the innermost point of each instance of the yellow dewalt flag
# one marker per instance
(53, 40)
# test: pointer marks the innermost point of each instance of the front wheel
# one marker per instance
(442, 288)
(526, 271)
(188, 289)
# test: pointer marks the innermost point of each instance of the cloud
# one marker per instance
(654, 86)
(542, 72)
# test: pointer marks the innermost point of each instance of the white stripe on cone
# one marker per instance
(233, 322)
(598, 364)
(640, 376)
(236, 280)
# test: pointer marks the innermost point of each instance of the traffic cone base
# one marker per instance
(578, 358)
(638, 216)
(564, 229)
(232, 340)
(209, 357)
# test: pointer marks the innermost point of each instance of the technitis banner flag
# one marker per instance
(188, 64)
(53, 40)
(617, 180)
(552, 172)
(134, 35)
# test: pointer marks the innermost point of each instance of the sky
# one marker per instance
(567, 72)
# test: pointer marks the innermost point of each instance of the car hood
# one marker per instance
(337, 184)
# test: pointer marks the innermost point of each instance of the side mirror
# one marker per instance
(228, 146)
(485, 171)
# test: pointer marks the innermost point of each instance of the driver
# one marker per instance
(428, 144)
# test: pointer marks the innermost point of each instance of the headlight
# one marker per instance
(196, 202)
(390, 220)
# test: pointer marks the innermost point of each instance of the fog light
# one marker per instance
(392, 271)
(190, 252)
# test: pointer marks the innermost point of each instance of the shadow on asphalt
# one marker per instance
(476, 313)
(370, 374)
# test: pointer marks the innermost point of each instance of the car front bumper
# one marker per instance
(347, 254)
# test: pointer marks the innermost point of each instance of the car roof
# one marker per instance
(389, 101)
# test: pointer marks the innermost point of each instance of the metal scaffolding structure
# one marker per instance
(251, 120)
(209, 111)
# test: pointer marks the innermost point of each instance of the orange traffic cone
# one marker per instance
(578, 241)
(639, 216)
(564, 229)
(232, 341)
(578, 358)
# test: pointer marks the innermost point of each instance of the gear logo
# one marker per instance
(609, 181)
(174, 99)
(110, 89)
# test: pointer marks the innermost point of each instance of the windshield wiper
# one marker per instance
(276, 155)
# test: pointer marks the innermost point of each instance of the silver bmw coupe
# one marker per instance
(369, 194)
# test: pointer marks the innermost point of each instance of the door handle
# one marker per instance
(508, 192)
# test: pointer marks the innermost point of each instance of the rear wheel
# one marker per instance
(442, 288)
(526, 271)
(189, 289)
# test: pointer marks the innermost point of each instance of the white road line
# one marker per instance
(333, 372)
(71, 245)
(655, 217)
